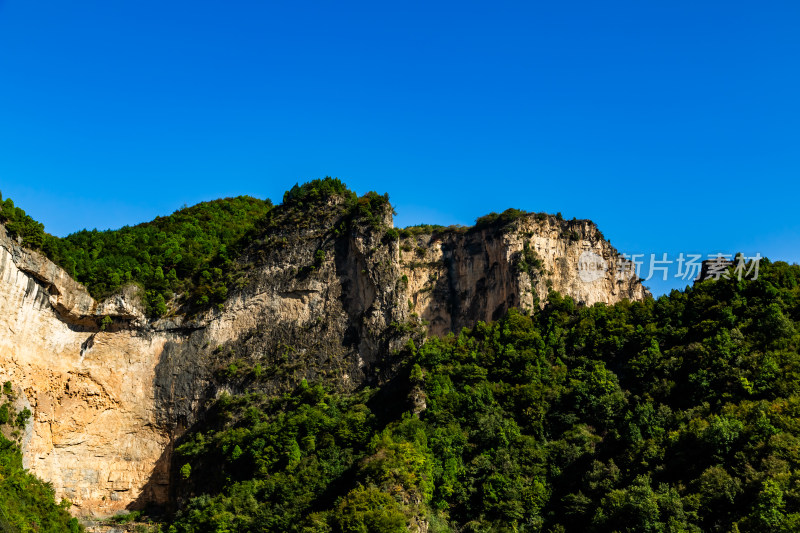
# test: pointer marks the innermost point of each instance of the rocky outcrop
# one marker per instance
(459, 276)
(69, 297)
(316, 301)
(321, 297)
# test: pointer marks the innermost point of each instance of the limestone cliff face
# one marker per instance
(458, 277)
(91, 392)
(321, 298)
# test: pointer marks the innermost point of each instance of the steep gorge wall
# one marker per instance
(320, 299)
(91, 392)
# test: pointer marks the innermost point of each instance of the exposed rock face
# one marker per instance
(319, 299)
(457, 278)
(91, 392)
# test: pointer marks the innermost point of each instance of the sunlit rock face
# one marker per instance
(457, 278)
(109, 402)
(93, 433)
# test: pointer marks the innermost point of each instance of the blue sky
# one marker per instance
(674, 126)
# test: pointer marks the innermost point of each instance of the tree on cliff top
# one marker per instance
(315, 190)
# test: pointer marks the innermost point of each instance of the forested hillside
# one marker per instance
(186, 257)
(673, 414)
(186, 253)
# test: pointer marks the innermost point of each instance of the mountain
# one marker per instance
(320, 289)
(243, 366)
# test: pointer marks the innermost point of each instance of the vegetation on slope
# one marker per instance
(20, 225)
(26, 503)
(304, 201)
(189, 254)
(675, 414)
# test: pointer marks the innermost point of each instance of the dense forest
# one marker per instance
(673, 414)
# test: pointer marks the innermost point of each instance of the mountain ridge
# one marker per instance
(324, 289)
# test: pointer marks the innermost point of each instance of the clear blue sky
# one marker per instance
(674, 125)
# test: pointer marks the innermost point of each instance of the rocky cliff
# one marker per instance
(458, 276)
(323, 297)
